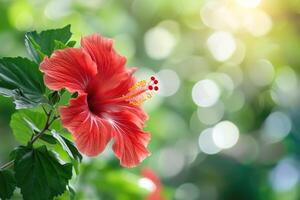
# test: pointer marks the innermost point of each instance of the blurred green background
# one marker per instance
(225, 123)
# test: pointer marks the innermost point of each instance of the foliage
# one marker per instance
(39, 174)
(44, 43)
(7, 184)
(43, 165)
(21, 79)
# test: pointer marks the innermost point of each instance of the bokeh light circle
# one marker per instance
(206, 93)
(211, 115)
(187, 191)
(206, 142)
(225, 134)
(261, 73)
(276, 127)
(258, 23)
(169, 82)
(147, 184)
(285, 175)
(171, 161)
(159, 43)
(222, 45)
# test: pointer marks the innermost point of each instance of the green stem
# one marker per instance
(35, 137)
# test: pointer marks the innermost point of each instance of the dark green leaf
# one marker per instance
(54, 97)
(71, 43)
(40, 44)
(7, 184)
(39, 174)
(48, 138)
(21, 79)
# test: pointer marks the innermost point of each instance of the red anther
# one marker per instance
(152, 78)
(155, 88)
(150, 87)
(155, 81)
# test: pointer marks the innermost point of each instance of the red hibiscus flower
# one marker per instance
(156, 193)
(108, 102)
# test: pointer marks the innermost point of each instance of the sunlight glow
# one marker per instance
(222, 45)
(169, 82)
(211, 115)
(261, 73)
(159, 43)
(147, 184)
(206, 93)
(218, 15)
(257, 22)
(276, 127)
(286, 85)
(206, 142)
(248, 3)
(225, 134)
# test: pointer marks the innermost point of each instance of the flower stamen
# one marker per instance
(140, 92)
(143, 91)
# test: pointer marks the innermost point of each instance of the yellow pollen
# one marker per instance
(139, 93)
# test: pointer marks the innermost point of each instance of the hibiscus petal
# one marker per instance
(123, 82)
(130, 141)
(101, 51)
(140, 115)
(91, 133)
(70, 68)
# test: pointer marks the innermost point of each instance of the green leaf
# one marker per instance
(65, 98)
(21, 79)
(67, 145)
(7, 184)
(39, 174)
(40, 44)
(24, 123)
(70, 148)
(59, 45)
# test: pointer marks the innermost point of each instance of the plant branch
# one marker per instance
(7, 165)
(46, 127)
